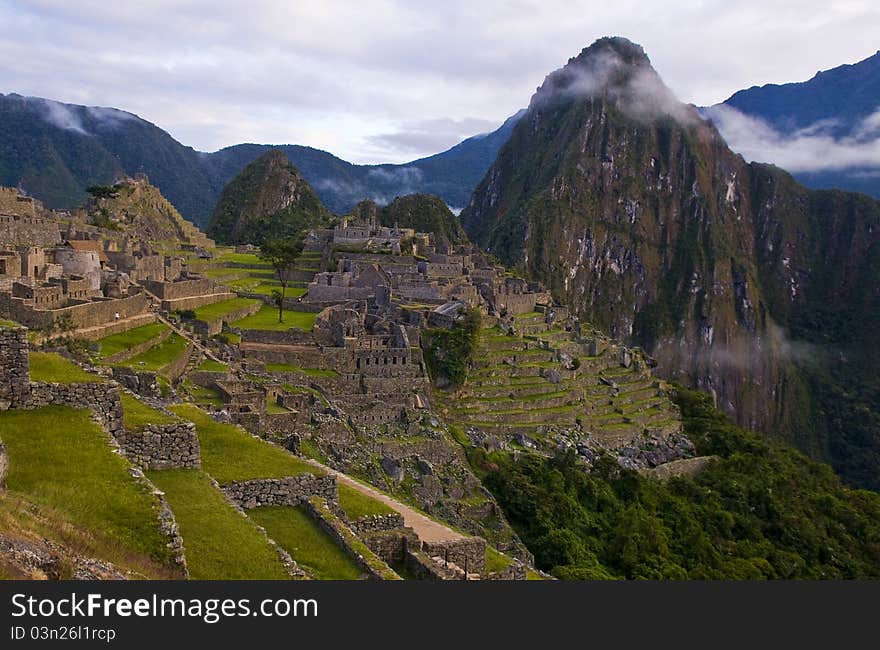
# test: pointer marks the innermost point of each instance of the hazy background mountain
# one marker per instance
(53, 151)
(826, 131)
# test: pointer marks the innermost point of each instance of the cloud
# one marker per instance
(810, 149)
(60, 115)
(431, 135)
(340, 75)
(636, 89)
(109, 116)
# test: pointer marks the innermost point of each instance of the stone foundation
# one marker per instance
(162, 446)
(14, 367)
(468, 553)
(287, 491)
(377, 523)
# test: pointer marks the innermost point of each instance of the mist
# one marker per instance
(810, 149)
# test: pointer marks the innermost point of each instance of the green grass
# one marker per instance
(117, 343)
(160, 355)
(274, 408)
(7, 323)
(311, 372)
(230, 454)
(203, 394)
(267, 319)
(220, 543)
(496, 561)
(243, 258)
(60, 458)
(136, 415)
(209, 365)
(53, 368)
(356, 504)
(308, 544)
(218, 310)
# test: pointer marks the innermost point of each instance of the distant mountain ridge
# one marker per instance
(53, 151)
(825, 130)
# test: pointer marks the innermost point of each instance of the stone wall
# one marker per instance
(14, 367)
(286, 491)
(377, 523)
(162, 446)
(180, 289)
(181, 304)
(19, 231)
(142, 382)
(101, 397)
(390, 545)
(207, 329)
(89, 314)
(284, 337)
(468, 553)
(177, 367)
(365, 558)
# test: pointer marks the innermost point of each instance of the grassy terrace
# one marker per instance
(71, 470)
(219, 542)
(160, 355)
(308, 544)
(356, 504)
(218, 310)
(53, 368)
(267, 319)
(311, 372)
(230, 454)
(251, 259)
(203, 394)
(209, 365)
(117, 343)
(136, 415)
(249, 285)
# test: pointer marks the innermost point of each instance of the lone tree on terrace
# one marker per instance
(281, 254)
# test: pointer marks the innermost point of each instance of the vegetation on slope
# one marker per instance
(268, 199)
(448, 351)
(116, 343)
(220, 543)
(298, 534)
(53, 368)
(762, 510)
(267, 319)
(60, 460)
(423, 213)
(229, 453)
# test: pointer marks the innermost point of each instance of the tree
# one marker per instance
(281, 254)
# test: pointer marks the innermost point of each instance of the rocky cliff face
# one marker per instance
(636, 213)
(269, 198)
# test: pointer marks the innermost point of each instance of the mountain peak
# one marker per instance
(618, 46)
(618, 71)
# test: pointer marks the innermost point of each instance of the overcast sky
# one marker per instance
(388, 80)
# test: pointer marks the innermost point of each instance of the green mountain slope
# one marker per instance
(269, 198)
(53, 151)
(737, 279)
